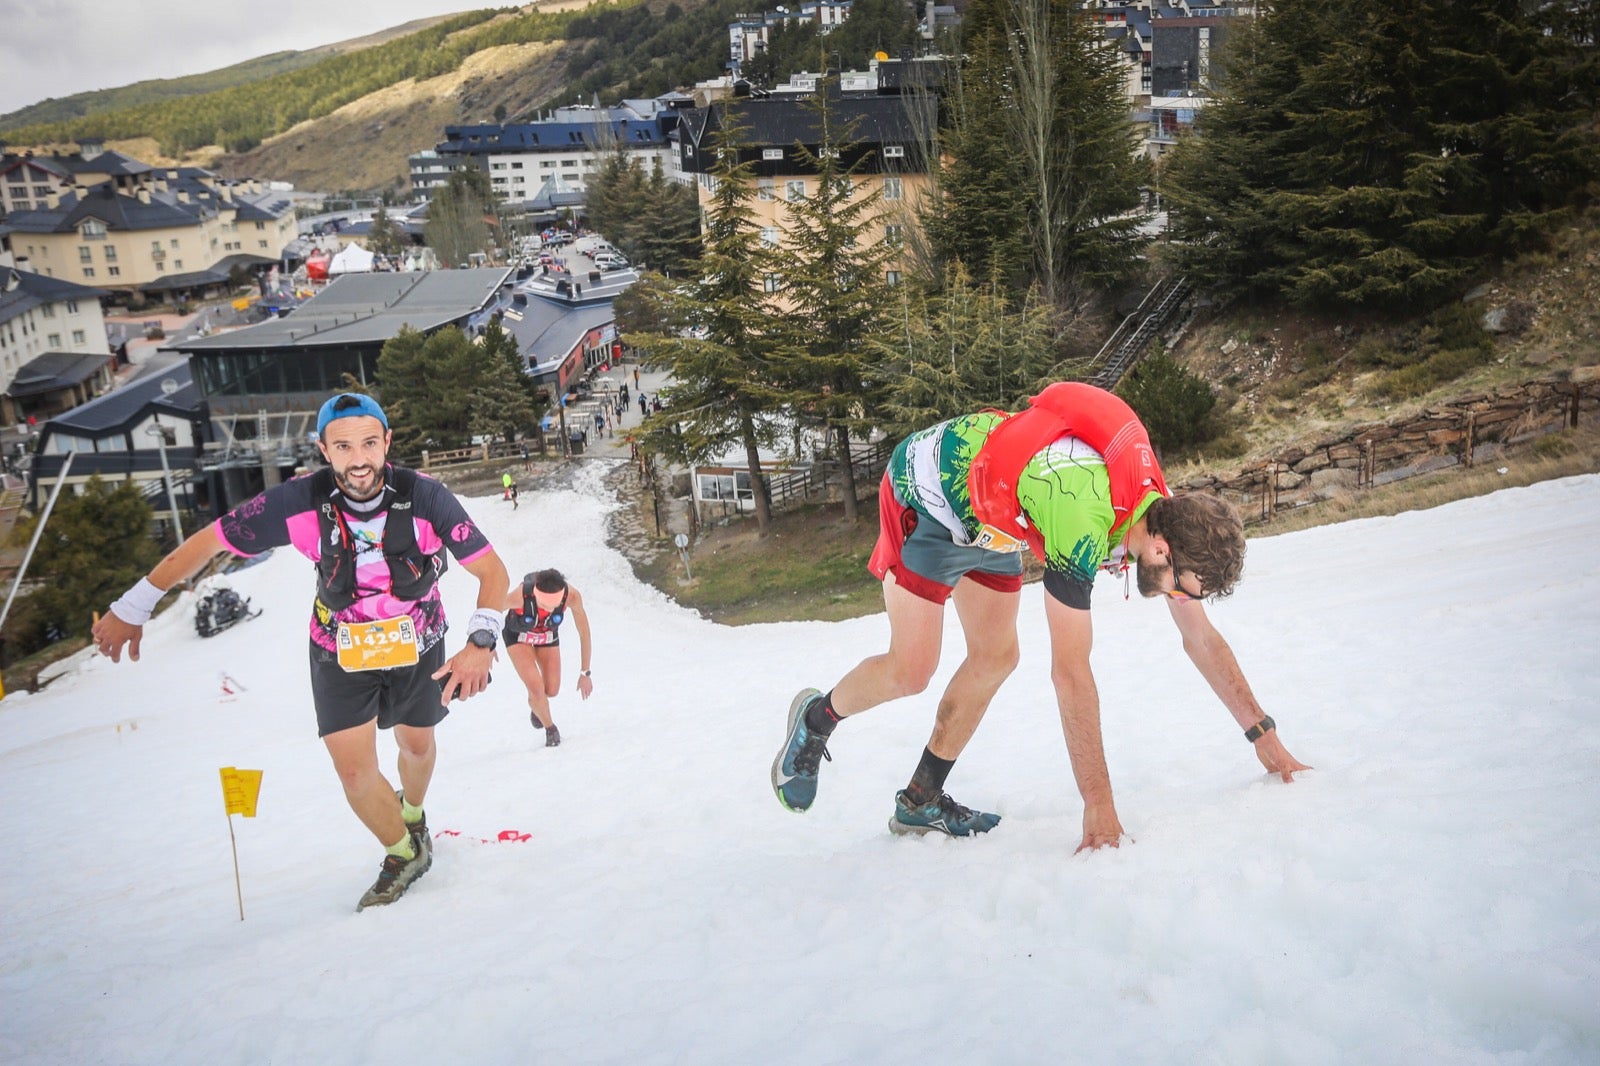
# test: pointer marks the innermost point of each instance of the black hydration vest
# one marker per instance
(411, 573)
(528, 620)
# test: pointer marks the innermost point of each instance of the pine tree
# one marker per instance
(1364, 155)
(712, 332)
(503, 394)
(960, 350)
(1043, 173)
(96, 545)
(833, 291)
(441, 389)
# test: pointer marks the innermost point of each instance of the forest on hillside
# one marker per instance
(618, 50)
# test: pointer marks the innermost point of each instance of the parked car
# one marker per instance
(610, 261)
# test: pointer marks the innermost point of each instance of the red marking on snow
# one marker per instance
(506, 836)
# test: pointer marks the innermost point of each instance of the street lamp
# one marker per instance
(160, 433)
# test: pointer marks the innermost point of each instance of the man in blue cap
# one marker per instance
(377, 628)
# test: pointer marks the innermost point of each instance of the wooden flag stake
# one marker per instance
(238, 886)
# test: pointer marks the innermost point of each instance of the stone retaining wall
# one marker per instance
(1465, 431)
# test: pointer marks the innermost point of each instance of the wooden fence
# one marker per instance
(1461, 432)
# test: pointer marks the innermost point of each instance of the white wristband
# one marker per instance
(483, 618)
(138, 603)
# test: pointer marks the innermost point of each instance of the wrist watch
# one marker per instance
(482, 638)
(1260, 729)
(586, 673)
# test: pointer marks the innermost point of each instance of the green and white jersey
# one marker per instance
(1064, 490)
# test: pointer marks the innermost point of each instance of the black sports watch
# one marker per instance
(1260, 729)
(483, 638)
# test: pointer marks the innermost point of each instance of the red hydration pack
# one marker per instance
(1096, 417)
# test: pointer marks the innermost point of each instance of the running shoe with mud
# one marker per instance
(942, 815)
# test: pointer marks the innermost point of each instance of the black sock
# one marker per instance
(927, 784)
(821, 717)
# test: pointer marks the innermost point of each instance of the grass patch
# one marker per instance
(812, 566)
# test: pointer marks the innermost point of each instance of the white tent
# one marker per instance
(354, 259)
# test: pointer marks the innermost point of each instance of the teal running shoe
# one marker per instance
(794, 771)
(943, 815)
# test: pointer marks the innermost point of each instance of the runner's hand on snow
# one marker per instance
(1276, 758)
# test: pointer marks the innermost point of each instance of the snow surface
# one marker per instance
(1429, 894)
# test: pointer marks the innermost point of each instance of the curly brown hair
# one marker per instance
(1206, 537)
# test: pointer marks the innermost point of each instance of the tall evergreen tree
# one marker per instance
(833, 290)
(712, 332)
(1361, 155)
(385, 237)
(442, 389)
(459, 217)
(648, 217)
(1043, 169)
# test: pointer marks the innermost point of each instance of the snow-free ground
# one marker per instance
(1429, 894)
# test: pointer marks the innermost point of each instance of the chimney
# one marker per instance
(90, 147)
(144, 196)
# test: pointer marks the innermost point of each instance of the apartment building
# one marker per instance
(128, 227)
(893, 141)
(559, 153)
(52, 340)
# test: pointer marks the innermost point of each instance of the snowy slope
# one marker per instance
(1431, 893)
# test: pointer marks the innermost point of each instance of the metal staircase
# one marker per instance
(1160, 311)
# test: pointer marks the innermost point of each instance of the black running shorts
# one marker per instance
(406, 695)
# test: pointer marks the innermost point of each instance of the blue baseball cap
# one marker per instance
(349, 405)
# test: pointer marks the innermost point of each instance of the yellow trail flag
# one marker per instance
(240, 789)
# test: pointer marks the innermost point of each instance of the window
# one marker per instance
(88, 272)
(772, 153)
(894, 151)
(794, 189)
(114, 271)
(894, 235)
(892, 188)
(177, 264)
(725, 487)
(42, 191)
(155, 249)
(111, 253)
(261, 226)
(79, 337)
(48, 310)
(769, 236)
(766, 190)
(891, 277)
(21, 205)
(53, 340)
(93, 230)
(174, 244)
(85, 254)
(72, 307)
(771, 282)
(262, 244)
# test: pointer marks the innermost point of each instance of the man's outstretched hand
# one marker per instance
(1276, 758)
(1100, 828)
(111, 633)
